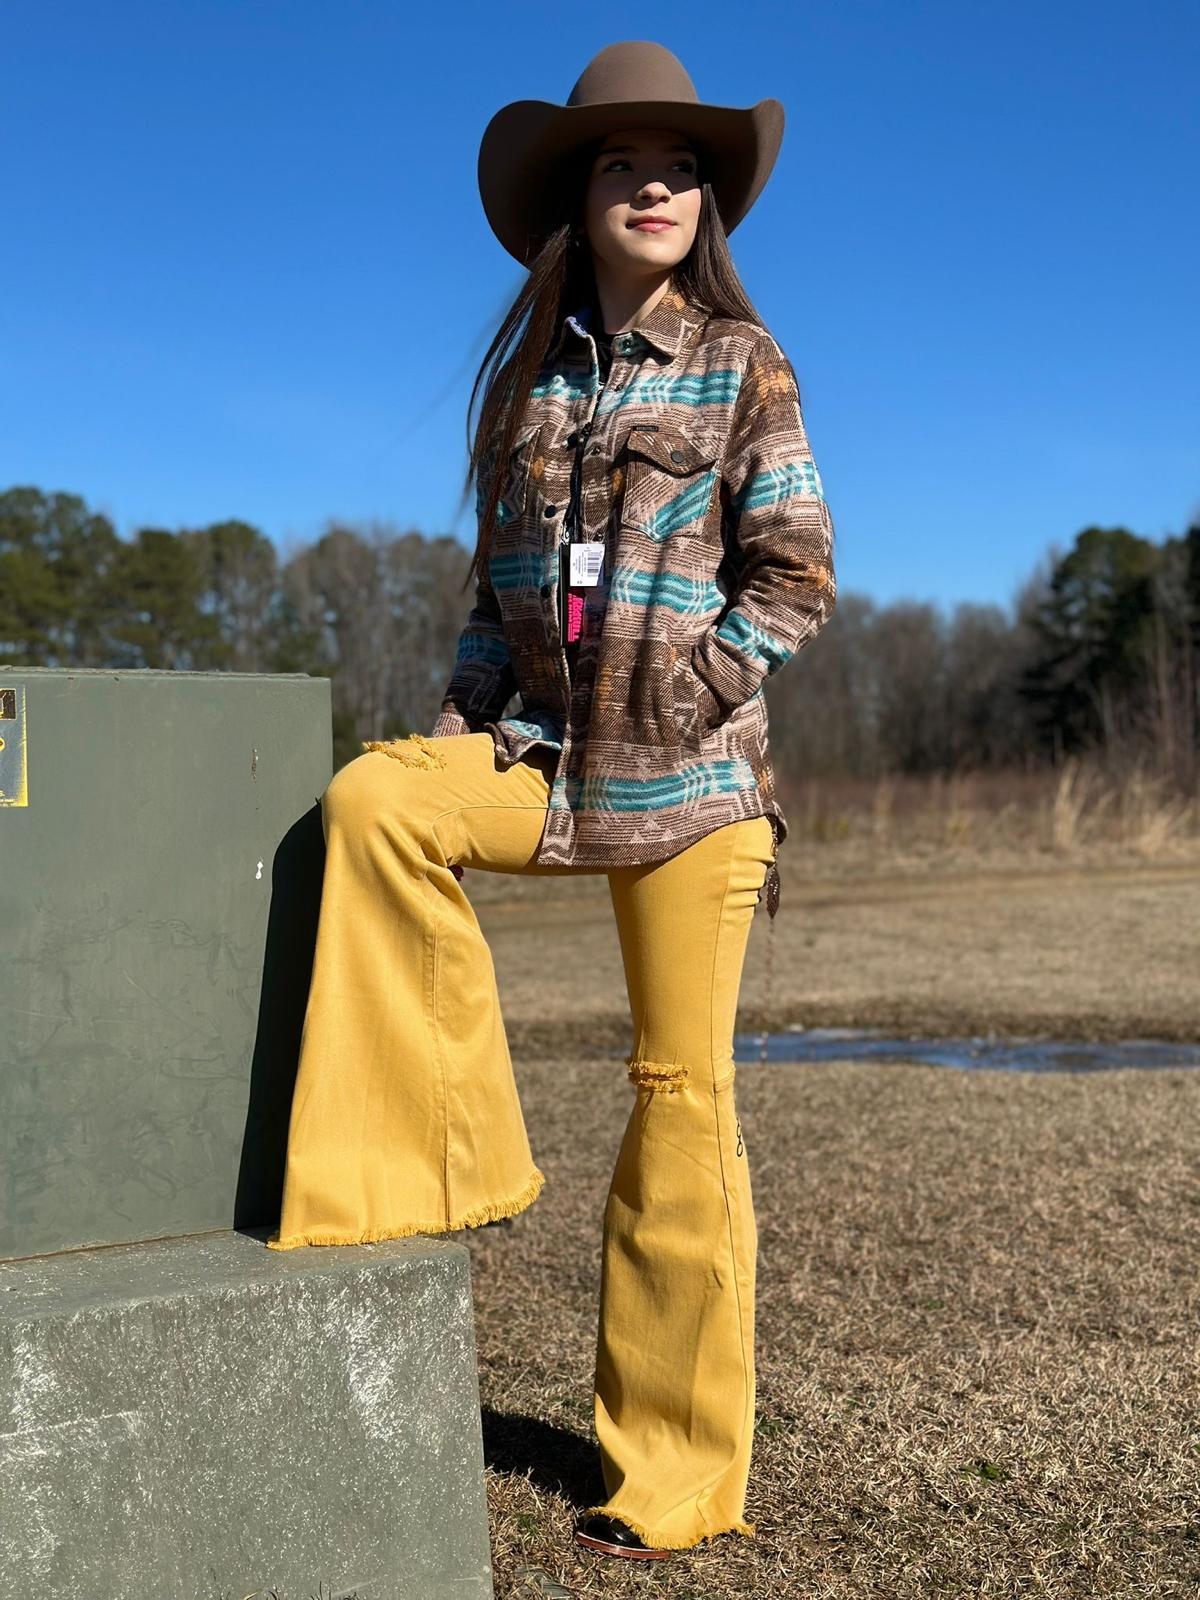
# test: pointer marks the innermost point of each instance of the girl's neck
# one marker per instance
(618, 308)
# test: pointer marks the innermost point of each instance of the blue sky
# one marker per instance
(246, 271)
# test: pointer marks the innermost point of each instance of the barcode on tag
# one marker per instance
(586, 561)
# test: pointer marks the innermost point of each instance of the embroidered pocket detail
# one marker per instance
(669, 479)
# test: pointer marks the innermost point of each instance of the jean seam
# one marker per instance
(734, 837)
(431, 967)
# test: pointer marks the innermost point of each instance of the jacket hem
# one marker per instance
(599, 856)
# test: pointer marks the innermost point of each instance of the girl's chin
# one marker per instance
(659, 248)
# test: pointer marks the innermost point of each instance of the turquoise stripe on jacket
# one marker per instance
(482, 647)
(777, 484)
(651, 794)
(661, 389)
(754, 642)
(521, 569)
(683, 508)
(634, 586)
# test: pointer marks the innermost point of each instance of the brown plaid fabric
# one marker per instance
(718, 544)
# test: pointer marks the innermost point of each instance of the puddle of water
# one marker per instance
(808, 1045)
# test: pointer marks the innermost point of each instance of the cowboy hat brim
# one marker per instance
(528, 143)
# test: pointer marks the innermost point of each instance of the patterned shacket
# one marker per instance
(695, 470)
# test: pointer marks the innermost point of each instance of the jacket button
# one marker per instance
(545, 590)
(676, 455)
(549, 511)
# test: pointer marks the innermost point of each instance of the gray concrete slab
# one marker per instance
(205, 1419)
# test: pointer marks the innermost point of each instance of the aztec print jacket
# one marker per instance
(696, 473)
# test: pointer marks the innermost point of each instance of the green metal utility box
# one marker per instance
(160, 859)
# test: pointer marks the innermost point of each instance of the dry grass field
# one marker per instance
(979, 1293)
(1100, 948)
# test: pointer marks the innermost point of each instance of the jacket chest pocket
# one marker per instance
(669, 479)
(522, 472)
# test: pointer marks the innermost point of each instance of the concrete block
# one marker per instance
(207, 1419)
(160, 862)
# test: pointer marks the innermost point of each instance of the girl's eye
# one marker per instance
(685, 162)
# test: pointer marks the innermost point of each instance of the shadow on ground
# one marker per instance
(551, 1458)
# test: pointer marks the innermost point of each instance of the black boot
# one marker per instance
(611, 1537)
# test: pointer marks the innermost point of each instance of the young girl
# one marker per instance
(653, 544)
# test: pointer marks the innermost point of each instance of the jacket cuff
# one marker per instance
(448, 724)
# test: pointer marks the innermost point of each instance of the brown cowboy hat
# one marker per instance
(527, 144)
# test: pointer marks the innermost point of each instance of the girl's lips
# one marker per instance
(652, 227)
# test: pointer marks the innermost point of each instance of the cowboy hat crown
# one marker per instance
(528, 143)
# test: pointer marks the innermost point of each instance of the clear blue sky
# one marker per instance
(240, 236)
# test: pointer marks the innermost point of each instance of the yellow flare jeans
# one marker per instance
(406, 1119)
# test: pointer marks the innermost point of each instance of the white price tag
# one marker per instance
(587, 560)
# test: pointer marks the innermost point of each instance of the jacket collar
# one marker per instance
(668, 328)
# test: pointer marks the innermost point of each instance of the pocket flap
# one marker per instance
(524, 438)
(674, 450)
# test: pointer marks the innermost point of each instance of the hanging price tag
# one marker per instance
(587, 561)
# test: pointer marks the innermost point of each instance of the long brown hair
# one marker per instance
(560, 280)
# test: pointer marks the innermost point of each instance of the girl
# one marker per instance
(653, 544)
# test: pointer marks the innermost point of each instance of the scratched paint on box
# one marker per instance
(14, 780)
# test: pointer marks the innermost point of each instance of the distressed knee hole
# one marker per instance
(415, 751)
(665, 1076)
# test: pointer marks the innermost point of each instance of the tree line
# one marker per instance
(1098, 654)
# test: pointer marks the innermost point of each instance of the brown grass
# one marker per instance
(1081, 810)
(977, 1318)
(978, 1304)
(1048, 946)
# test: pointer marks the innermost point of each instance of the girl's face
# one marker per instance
(639, 174)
